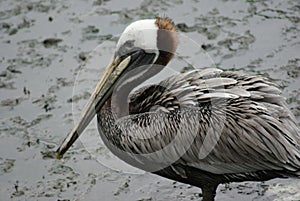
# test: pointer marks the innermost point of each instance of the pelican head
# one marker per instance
(145, 46)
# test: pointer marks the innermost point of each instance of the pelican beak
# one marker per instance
(102, 92)
(97, 99)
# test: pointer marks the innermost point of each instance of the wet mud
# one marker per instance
(46, 78)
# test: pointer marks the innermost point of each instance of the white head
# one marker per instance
(142, 33)
(150, 35)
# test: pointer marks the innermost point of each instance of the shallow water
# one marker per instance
(46, 77)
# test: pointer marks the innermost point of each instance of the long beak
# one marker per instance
(97, 99)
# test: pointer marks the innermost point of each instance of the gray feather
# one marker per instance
(242, 119)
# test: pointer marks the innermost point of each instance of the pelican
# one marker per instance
(202, 127)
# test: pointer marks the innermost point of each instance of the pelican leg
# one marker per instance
(209, 192)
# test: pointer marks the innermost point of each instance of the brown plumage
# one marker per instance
(167, 40)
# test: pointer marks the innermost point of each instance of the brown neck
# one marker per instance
(132, 79)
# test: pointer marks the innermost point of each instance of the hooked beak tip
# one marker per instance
(58, 156)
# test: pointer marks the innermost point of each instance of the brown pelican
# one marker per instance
(201, 128)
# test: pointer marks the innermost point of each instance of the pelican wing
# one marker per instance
(221, 122)
(250, 128)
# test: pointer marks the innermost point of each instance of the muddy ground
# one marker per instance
(49, 66)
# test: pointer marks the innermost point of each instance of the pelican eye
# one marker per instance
(126, 49)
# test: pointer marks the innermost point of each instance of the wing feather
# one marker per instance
(243, 120)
